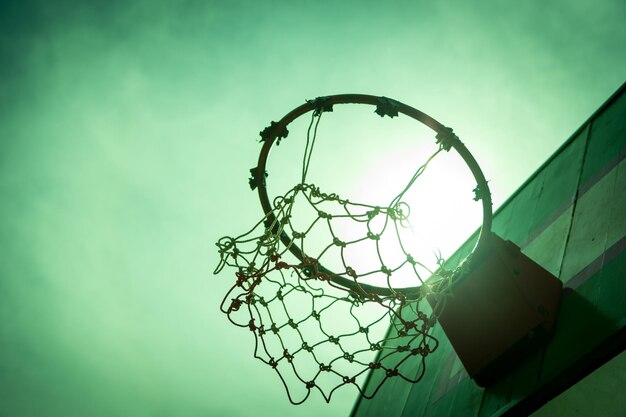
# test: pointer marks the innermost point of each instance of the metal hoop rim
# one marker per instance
(384, 106)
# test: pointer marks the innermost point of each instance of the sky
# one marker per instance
(127, 129)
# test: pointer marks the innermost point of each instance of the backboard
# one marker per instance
(570, 218)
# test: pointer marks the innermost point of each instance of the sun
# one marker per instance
(440, 207)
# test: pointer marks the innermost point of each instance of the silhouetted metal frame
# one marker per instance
(277, 130)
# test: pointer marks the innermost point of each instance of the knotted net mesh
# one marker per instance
(316, 333)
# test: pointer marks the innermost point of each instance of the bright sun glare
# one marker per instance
(443, 213)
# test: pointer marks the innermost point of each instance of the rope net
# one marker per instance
(319, 279)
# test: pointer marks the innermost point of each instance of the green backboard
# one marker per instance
(570, 218)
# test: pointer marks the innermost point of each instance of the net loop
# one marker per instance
(276, 285)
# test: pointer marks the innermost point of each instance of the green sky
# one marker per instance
(127, 130)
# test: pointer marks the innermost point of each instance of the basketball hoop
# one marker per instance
(278, 275)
